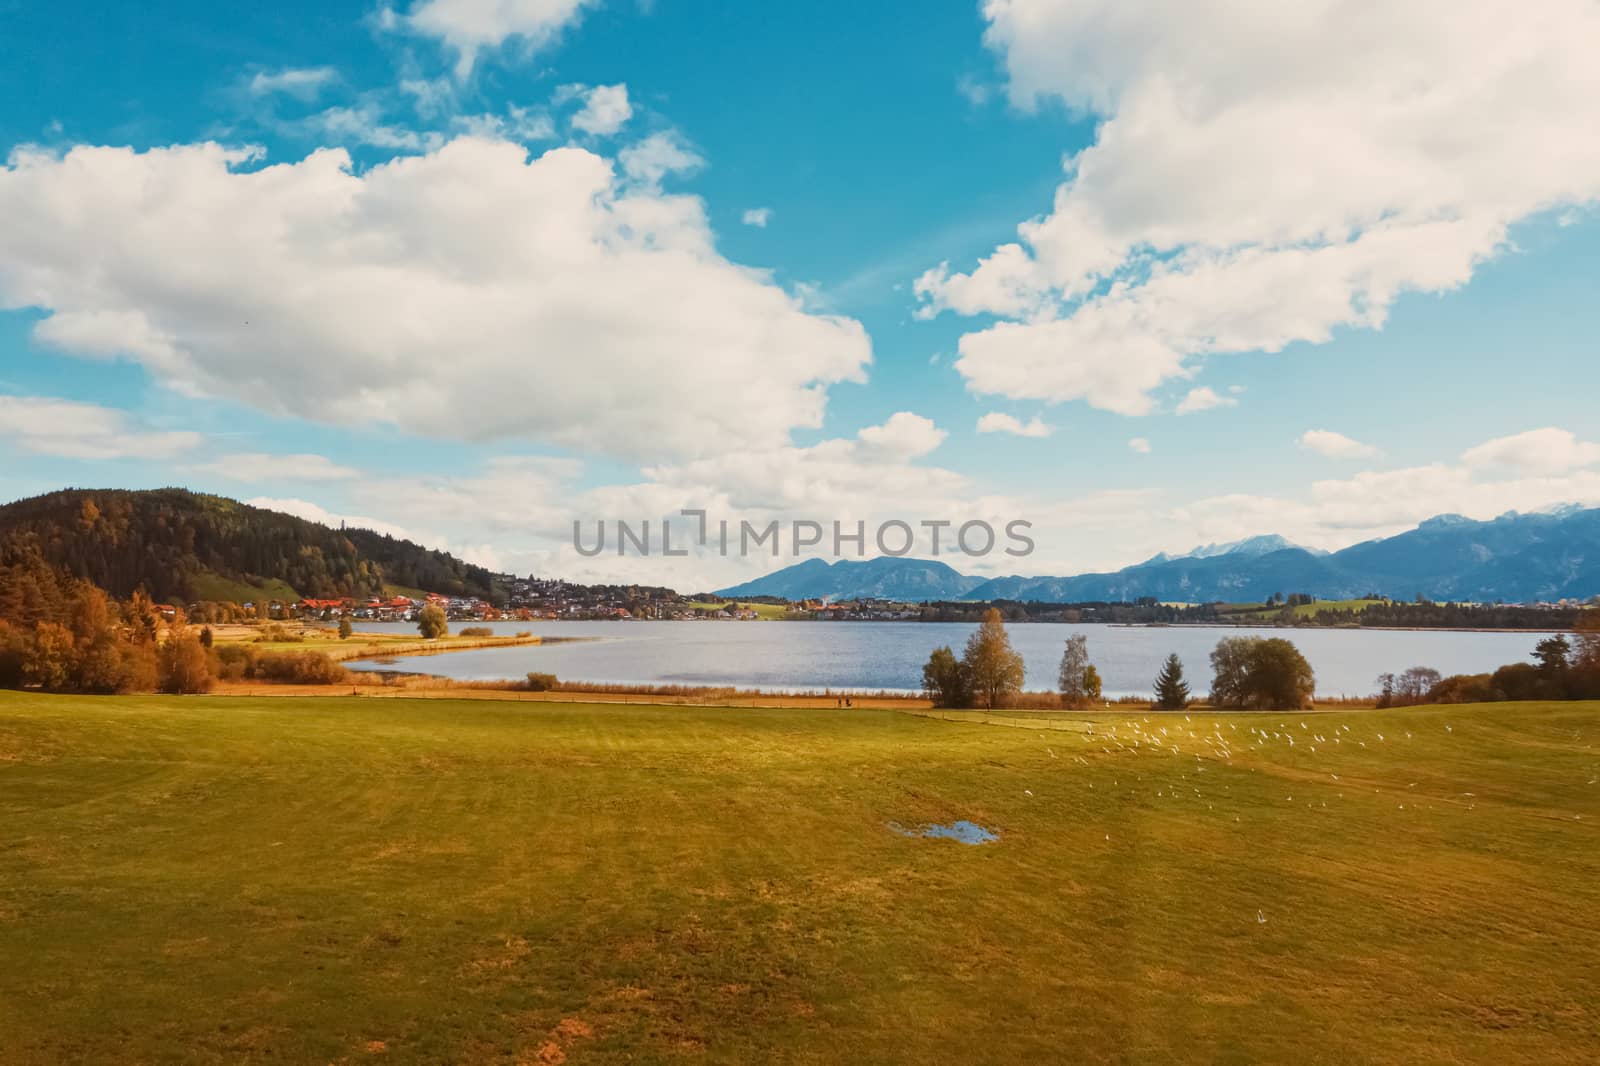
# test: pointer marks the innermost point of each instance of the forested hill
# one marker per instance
(182, 546)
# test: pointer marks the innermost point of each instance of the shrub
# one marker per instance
(432, 623)
(477, 631)
(278, 633)
(345, 628)
(542, 682)
(236, 662)
(1463, 688)
(300, 668)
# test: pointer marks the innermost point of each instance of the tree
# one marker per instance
(1280, 678)
(1552, 653)
(1091, 683)
(345, 628)
(1230, 669)
(994, 668)
(432, 623)
(1252, 672)
(207, 638)
(1413, 686)
(183, 667)
(1172, 691)
(1074, 662)
(50, 660)
(944, 680)
(1586, 634)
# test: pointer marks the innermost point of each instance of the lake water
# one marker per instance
(872, 656)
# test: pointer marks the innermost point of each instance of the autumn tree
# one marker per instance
(51, 657)
(433, 623)
(994, 669)
(345, 628)
(183, 665)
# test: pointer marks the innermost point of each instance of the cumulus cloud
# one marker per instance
(1204, 399)
(262, 466)
(1264, 175)
(63, 428)
(1335, 445)
(551, 302)
(303, 83)
(1140, 445)
(903, 437)
(1000, 422)
(605, 110)
(757, 216)
(1538, 451)
(658, 155)
(469, 26)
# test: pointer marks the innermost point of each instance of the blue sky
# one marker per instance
(1326, 276)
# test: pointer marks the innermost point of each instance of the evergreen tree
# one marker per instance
(1172, 691)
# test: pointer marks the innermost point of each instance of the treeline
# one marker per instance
(1394, 614)
(1139, 612)
(1248, 673)
(1277, 611)
(1562, 669)
(95, 645)
(177, 546)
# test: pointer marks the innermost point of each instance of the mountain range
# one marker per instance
(1514, 558)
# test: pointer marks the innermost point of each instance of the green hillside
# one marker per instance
(185, 546)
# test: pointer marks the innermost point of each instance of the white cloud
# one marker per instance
(261, 466)
(550, 303)
(757, 216)
(517, 124)
(312, 512)
(1140, 445)
(1204, 398)
(1000, 422)
(303, 83)
(605, 110)
(469, 26)
(658, 155)
(903, 437)
(70, 430)
(1538, 451)
(364, 124)
(1264, 175)
(1335, 445)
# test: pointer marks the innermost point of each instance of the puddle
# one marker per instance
(964, 832)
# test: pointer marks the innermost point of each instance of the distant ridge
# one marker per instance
(1515, 558)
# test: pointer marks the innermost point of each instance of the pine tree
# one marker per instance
(1172, 691)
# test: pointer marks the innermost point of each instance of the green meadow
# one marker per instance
(337, 879)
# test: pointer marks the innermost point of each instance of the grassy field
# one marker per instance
(351, 880)
(1237, 611)
(767, 611)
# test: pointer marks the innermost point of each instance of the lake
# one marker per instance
(872, 656)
